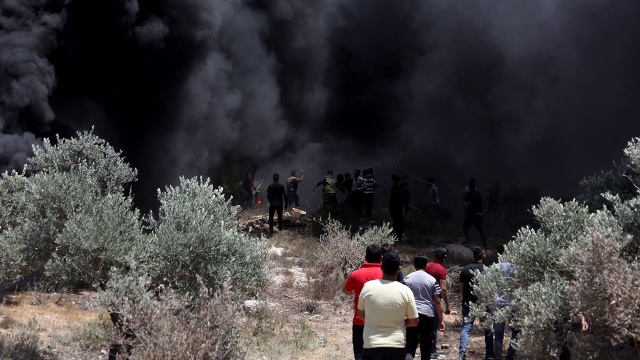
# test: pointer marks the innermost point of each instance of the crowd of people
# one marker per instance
(360, 191)
(395, 314)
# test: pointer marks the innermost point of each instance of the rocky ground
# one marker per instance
(286, 321)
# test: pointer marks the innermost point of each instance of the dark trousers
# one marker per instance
(329, 199)
(397, 218)
(357, 340)
(498, 332)
(272, 210)
(475, 220)
(355, 200)
(293, 199)
(367, 202)
(383, 354)
(423, 335)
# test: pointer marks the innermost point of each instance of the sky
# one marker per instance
(534, 91)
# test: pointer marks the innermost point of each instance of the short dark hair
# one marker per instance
(373, 253)
(390, 263)
(385, 248)
(276, 177)
(329, 172)
(440, 253)
(420, 262)
(478, 253)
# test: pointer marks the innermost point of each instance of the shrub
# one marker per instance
(25, 345)
(344, 251)
(88, 152)
(67, 184)
(619, 181)
(207, 327)
(575, 261)
(341, 252)
(196, 235)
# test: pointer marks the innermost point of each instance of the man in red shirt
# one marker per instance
(370, 270)
(437, 270)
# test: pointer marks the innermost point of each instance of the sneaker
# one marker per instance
(434, 355)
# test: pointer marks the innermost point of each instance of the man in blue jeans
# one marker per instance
(502, 301)
(465, 291)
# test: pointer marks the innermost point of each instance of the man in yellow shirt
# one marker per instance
(388, 308)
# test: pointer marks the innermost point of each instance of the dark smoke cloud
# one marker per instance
(535, 90)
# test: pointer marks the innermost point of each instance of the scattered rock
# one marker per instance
(276, 251)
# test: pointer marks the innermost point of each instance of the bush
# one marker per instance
(345, 252)
(207, 327)
(65, 185)
(196, 235)
(620, 181)
(575, 261)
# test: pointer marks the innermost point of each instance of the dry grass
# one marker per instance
(302, 315)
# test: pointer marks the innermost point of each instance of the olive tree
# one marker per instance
(575, 261)
(66, 213)
(196, 236)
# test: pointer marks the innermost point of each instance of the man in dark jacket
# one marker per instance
(473, 214)
(329, 189)
(277, 196)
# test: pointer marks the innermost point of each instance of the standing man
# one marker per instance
(388, 308)
(396, 205)
(438, 271)
(502, 301)
(370, 186)
(473, 214)
(370, 270)
(466, 292)
(249, 187)
(292, 188)
(329, 189)
(277, 198)
(427, 293)
(434, 196)
(357, 192)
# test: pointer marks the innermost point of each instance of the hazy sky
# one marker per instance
(534, 90)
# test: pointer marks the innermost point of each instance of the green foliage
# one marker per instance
(88, 152)
(196, 234)
(47, 217)
(95, 239)
(620, 181)
(574, 261)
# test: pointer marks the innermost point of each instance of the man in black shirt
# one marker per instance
(277, 196)
(465, 291)
(473, 214)
(292, 188)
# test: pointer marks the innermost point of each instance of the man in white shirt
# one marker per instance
(388, 308)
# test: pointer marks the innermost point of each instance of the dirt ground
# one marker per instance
(284, 323)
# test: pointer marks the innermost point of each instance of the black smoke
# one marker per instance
(531, 90)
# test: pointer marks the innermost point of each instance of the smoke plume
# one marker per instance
(540, 91)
